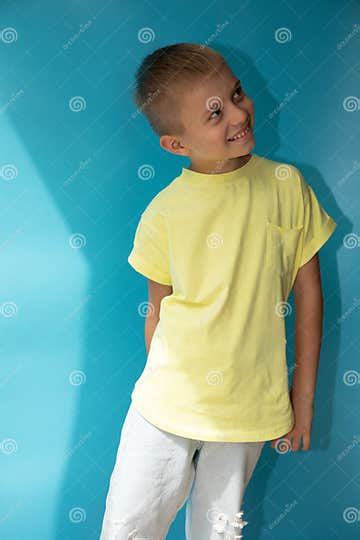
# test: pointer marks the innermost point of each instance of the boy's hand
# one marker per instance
(303, 412)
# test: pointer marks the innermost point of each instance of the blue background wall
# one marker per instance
(72, 189)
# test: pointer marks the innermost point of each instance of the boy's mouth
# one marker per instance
(242, 134)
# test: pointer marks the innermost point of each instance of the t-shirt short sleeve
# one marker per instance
(150, 254)
(318, 224)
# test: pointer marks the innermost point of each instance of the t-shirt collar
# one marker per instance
(193, 177)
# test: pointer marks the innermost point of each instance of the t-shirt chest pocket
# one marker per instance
(283, 252)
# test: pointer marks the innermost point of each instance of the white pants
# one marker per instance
(156, 472)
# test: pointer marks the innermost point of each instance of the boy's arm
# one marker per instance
(308, 333)
(156, 292)
(308, 329)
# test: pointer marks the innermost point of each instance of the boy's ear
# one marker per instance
(171, 144)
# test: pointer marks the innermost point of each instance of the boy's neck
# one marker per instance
(220, 166)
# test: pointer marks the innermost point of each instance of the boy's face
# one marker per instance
(212, 112)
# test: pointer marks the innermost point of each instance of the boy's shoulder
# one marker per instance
(286, 178)
(164, 199)
(280, 170)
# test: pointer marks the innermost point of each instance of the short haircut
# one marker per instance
(166, 73)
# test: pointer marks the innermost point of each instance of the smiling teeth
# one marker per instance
(240, 135)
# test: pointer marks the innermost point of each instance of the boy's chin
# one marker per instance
(242, 149)
(240, 152)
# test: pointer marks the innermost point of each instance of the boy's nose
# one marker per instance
(240, 122)
(239, 117)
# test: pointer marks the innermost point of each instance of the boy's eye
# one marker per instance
(238, 91)
(214, 112)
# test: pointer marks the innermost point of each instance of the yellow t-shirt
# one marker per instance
(230, 244)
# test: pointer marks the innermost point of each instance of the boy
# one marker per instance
(222, 246)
